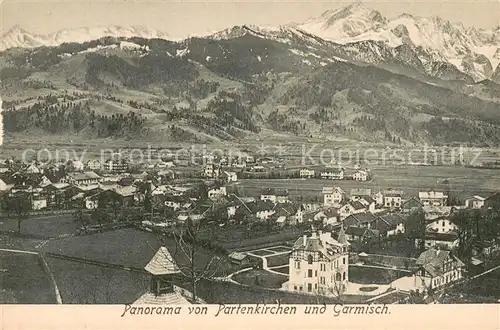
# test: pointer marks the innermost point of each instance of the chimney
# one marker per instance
(313, 234)
(304, 239)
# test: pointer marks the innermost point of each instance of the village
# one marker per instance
(355, 246)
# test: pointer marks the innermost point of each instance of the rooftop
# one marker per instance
(162, 263)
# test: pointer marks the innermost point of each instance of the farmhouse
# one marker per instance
(438, 268)
(332, 174)
(434, 212)
(361, 175)
(230, 177)
(411, 205)
(441, 225)
(357, 193)
(306, 173)
(393, 198)
(3, 185)
(115, 166)
(274, 195)
(368, 203)
(361, 234)
(94, 164)
(378, 197)
(211, 171)
(432, 198)
(367, 219)
(390, 224)
(475, 202)
(333, 196)
(33, 169)
(217, 193)
(328, 217)
(84, 178)
(446, 241)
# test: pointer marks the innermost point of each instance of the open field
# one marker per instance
(463, 182)
(42, 226)
(81, 283)
(23, 280)
(260, 277)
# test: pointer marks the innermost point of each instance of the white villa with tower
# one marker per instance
(319, 264)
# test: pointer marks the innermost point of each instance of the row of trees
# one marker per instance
(53, 116)
(474, 225)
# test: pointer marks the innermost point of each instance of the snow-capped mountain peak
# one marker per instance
(470, 50)
(345, 23)
(18, 37)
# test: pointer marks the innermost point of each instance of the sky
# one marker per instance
(183, 18)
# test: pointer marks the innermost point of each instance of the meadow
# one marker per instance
(462, 182)
(23, 280)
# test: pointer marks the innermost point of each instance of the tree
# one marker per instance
(192, 252)
(467, 222)
(415, 228)
(80, 217)
(20, 205)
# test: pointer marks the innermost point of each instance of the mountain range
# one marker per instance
(348, 74)
(475, 52)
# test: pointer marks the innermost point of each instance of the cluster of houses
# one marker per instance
(75, 185)
(340, 173)
(214, 166)
(319, 264)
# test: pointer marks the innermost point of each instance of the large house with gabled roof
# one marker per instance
(438, 268)
(319, 264)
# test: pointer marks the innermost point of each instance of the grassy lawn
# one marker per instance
(261, 252)
(279, 249)
(46, 226)
(260, 277)
(401, 248)
(370, 275)
(18, 243)
(264, 240)
(278, 260)
(81, 283)
(284, 270)
(23, 280)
